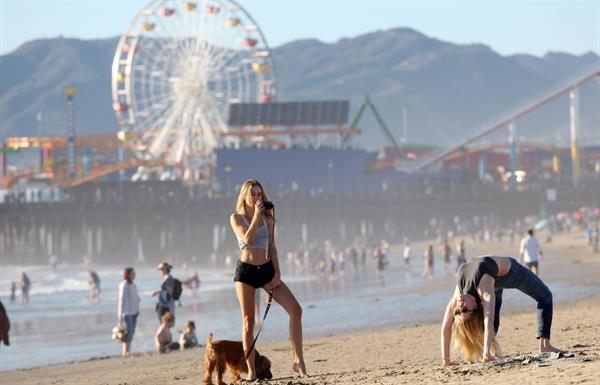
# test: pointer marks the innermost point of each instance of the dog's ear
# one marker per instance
(263, 367)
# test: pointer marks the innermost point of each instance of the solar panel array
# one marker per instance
(331, 112)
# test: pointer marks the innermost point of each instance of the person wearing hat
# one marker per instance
(165, 303)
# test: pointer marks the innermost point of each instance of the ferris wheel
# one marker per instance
(176, 70)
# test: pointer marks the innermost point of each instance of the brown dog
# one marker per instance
(222, 354)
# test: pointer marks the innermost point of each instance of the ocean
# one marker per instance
(62, 323)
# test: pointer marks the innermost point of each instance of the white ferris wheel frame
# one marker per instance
(177, 68)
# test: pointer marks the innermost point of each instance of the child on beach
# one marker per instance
(163, 340)
(188, 337)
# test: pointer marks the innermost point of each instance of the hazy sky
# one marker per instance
(509, 27)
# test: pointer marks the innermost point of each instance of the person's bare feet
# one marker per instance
(300, 368)
(545, 347)
(551, 349)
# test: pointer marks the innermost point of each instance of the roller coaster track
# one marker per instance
(12, 178)
(506, 118)
(101, 171)
(96, 173)
(485, 147)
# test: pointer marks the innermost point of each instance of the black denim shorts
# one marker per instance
(254, 275)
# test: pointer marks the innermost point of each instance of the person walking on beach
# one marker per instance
(25, 284)
(473, 313)
(128, 308)
(166, 302)
(428, 261)
(13, 291)
(596, 239)
(94, 283)
(461, 253)
(406, 254)
(380, 263)
(258, 267)
(530, 252)
(447, 253)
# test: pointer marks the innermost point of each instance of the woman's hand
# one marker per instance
(276, 279)
(259, 207)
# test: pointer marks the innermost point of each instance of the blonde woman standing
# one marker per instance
(258, 267)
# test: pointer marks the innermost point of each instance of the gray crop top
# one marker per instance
(470, 273)
(261, 237)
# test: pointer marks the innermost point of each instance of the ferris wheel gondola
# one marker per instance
(176, 70)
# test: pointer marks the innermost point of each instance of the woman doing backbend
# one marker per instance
(473, 312)
(258, 267)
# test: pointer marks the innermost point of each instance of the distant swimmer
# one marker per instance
(13, 291)
(25, 284)
(447, 253)
(53, 262)
(193, 283)
(428, 261)
(406, 253)
(461, 253)
(94, 283)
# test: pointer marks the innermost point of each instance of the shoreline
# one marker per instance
(368, 356)
(382, 352)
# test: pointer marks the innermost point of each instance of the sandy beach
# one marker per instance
(394, 355)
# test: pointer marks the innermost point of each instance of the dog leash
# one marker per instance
(263, 321)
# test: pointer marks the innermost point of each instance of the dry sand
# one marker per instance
(403, 355)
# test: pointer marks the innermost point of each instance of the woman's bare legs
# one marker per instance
(126, 350)
(245, 294)
(534, 270)
(283, 296)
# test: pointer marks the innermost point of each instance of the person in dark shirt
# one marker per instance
(94, 283)
(4, 325)
(166, 302)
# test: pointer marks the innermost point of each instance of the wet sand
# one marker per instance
(393, 355)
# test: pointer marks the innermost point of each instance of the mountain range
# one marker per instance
(442, 89)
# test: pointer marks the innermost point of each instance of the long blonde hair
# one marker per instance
(245, 192)
(468, 337)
